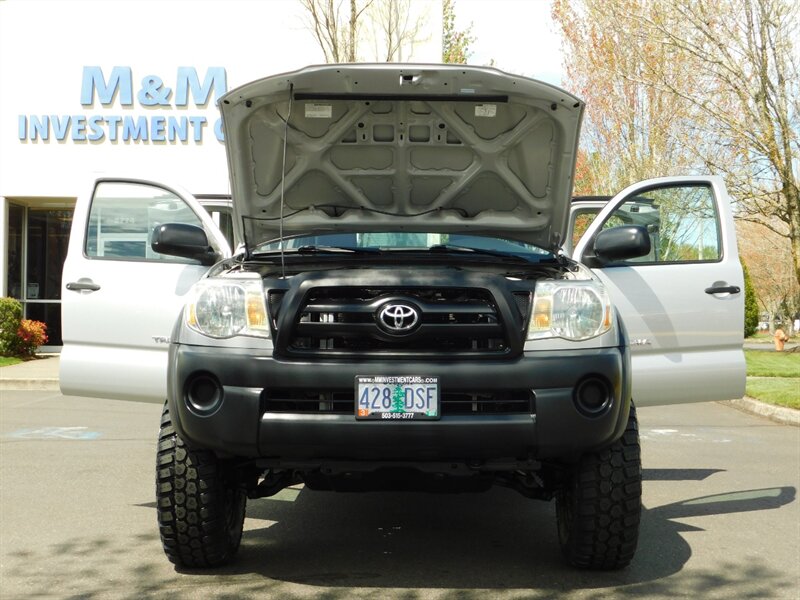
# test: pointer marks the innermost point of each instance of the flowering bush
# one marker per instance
(30, 336)
(18, 336)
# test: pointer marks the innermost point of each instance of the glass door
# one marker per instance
(47, 239)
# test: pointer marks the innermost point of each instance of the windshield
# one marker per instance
(396, 241)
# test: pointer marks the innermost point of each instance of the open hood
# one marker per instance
(434, 148)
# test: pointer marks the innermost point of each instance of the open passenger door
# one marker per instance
(121, 298)
(683, 303)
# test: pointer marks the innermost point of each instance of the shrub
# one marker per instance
(750, 305)
(30, 336)
(10, 319)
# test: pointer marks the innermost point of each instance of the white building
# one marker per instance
(129, 89)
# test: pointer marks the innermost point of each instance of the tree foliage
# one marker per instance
(767, 255)
(455, 43)
(632, 131)
(750, 305)
(679, 85)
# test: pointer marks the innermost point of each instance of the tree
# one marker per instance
(631, 131)
(766, 255)
(395, 29)
(717, 87)
(744, 48)
(335, 32)
(750, 305)
(455, 43)
(398, 400)
(587, 169)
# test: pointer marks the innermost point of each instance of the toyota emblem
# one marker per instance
(398, 318)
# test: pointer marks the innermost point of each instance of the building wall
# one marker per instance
(128, 88)
(46, 46)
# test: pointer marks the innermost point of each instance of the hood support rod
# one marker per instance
(283, 176)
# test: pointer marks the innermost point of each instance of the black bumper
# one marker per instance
(555, 427)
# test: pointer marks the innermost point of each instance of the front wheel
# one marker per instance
(599, 506)
(200, 510)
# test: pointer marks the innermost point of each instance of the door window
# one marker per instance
(682, 221)
(122, 218)
(581, 221)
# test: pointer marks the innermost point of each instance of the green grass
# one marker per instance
(6, 361)
(760, 338)
(781, 391)
(761, 363)
(774, 377)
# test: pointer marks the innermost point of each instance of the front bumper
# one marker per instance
(239, 425)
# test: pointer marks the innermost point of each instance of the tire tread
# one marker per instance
(190, 500)
(605, 492)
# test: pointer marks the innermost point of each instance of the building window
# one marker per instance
(48, 237)
(16, 215)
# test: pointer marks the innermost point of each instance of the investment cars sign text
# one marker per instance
(165, 121)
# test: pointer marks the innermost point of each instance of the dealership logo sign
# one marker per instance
(162, 124)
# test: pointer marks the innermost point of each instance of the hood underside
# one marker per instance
(434, 148)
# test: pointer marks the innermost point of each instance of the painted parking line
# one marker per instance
(58, 433)
(666, 435)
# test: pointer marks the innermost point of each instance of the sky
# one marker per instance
(519, 35)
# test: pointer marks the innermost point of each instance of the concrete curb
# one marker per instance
(779, 414)
(14, 384)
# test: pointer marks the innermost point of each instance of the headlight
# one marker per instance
(223, 308)
(573, 310)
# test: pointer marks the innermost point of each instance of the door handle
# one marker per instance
(83, 284)
(723, 289)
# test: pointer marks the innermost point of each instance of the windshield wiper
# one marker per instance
(312, 249)
(444, 248)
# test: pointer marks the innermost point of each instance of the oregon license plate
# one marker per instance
(400, 397)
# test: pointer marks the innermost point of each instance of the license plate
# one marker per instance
(405, 397)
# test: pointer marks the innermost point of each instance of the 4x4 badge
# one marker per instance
(398, 318)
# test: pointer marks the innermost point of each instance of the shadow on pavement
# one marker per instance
(351, 545)
(678, 474)
(495, 540)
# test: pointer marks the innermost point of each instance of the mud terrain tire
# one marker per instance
(598, 509)
(200, 512)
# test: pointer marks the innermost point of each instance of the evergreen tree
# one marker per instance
(750, 305)
(398, 400)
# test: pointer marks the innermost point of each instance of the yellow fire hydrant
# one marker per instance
(780, 339)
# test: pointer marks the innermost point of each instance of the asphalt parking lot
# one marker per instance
(77, 520)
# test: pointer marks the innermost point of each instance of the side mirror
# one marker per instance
(619, 243)
(184, 240)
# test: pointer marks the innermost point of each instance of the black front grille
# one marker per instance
(274, 301)
(451, 403)
(523, 302)
(344, 320)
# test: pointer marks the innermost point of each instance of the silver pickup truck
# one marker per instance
(413, 303)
